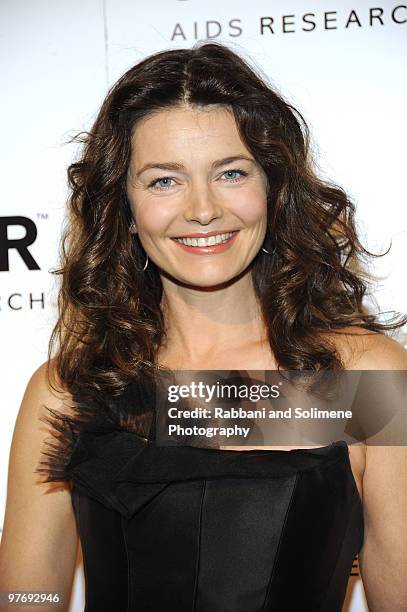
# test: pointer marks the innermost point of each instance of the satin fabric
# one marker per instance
(187, 529)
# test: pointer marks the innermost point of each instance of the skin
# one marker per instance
(201, 294)
(210, 326)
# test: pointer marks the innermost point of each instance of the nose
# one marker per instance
(202, 205)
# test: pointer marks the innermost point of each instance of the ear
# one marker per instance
(133, 228)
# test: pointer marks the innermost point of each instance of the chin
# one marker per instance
(215, 280)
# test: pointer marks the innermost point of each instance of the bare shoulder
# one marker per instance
(45, 390)
(46, 378)
(362, 349)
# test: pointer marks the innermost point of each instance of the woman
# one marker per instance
(191, 144)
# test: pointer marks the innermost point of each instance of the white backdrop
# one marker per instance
(342, 65)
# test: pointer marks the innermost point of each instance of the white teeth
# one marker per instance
(217, 239)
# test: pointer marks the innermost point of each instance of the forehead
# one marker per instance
(186, 131)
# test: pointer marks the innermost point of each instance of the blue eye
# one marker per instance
(164, 178)
(233, 179)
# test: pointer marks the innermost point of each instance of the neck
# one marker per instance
(202, 322)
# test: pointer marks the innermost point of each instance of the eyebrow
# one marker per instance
(176, 166)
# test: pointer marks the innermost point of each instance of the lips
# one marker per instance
(207, 249)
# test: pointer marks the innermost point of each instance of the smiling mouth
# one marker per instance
(201, 241)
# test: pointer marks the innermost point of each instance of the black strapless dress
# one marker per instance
(188, 529)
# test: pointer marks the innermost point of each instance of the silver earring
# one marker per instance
(268, 252)
(145, 265)
(132, 226)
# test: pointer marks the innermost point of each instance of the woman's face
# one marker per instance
(182, 182)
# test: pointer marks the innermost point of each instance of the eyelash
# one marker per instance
(242, 172)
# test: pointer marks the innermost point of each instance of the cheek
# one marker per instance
(250, 205)
(153, 216)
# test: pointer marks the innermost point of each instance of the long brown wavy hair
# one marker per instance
(110, 323)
